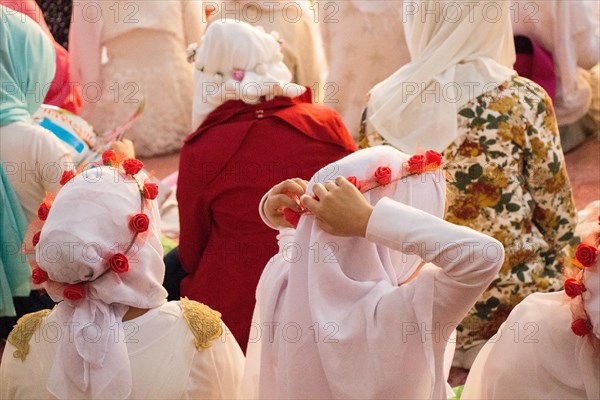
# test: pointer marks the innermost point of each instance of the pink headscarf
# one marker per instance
(87, 224)
(334, 336)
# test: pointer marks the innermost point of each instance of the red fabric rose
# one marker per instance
(109, 158)
(139, 223)
(433, 158)
(150, 190)
(291, 216)
(585, 254)
(119, 263)
(574, 288)
(38, 276)
(132, 166)
(417, 164)
(74, 292)
(67, 176)
(36, 239)
(383, 175)
(43, 211)
(354, 180)
(581, 327)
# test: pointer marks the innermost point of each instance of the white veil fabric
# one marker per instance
(236, 61)
(87, 223)
(325, 325)
(459, 50)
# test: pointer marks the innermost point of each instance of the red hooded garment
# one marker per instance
(238, 153)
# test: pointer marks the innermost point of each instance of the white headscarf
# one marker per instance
(459, 50)
(236, 61)
(87, 223)
(332, 287)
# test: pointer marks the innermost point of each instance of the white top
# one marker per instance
(33, 159)
(392, 328)
(164, 361)
(535, 355)
(571, 32)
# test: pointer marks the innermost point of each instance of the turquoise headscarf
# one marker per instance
(27, 64)
(15, 275)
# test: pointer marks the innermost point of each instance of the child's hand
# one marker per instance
(284, 195)
(341, 209)
(124, 147)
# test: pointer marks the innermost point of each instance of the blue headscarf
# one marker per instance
(15, 275)
(27, 64)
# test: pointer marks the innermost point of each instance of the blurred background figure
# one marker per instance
(364, 43)
(62, 92)
(301, 42)
(145, 47)
(570, 32)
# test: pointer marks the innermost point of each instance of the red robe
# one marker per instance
(226, 166)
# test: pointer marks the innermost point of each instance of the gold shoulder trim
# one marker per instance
(204, 322)
(24, 330)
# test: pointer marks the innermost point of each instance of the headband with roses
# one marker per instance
(418, 164)
(585, 259)
(138, 223)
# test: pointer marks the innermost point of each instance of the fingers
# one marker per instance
(279, 201)
(294, 186)
(310, 203)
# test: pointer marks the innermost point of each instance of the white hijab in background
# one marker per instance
(535, 354)
(459, 50)
(87, 220)
(230, 45)
(319, 330)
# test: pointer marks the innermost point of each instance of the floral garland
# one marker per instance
(585, 259)
(138, 223)
(418, 164)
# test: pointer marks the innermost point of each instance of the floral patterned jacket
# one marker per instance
(507, 178)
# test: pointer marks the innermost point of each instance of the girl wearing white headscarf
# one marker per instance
(549, 347)
(254, 127)
(459, 95)
(342, 317)
(113, 335)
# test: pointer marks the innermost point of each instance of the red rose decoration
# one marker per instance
(383, 175)
(433, 158)
(354, 180)
(291, 216)
(109, 158)
(43, 211)
(150, 190)
(139, 223)
(36, 239)
(74, 292)
(132, 166)
(417, 164)
(38, 276)
(581, 327)
(574, 288)
(67, 176)
(585, 254)
(119, 263)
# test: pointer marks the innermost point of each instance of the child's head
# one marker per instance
(98, 214)
(425, 191)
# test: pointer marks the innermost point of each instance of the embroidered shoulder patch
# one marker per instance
(204, 322)
(24, 330)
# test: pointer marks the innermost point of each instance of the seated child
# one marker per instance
(113, 335)
(549, 347)
(364, 295)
